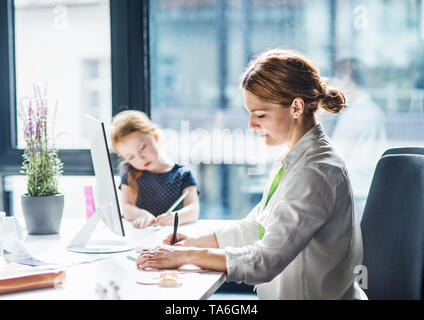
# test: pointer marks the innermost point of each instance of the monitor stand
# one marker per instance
(81, 244)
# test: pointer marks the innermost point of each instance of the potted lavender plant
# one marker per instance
(42, 205)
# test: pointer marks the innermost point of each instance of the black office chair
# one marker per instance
(393, 229)
(404, 150)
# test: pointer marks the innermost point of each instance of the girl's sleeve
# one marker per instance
(188, 179)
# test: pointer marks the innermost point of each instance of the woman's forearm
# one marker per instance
(174, 257)
(205, 241)
(208, 258)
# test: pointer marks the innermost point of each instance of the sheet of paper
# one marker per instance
(22, 256)
(9, 269)
(55, 257)
(59, 255)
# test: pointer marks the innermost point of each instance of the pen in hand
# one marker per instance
(174, 236)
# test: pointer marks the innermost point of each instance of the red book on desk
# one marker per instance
(17, 277)
(48, 278)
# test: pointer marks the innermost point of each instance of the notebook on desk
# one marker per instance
(150, 237)
(16, 277)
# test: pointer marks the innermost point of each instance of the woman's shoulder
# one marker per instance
(324, 160)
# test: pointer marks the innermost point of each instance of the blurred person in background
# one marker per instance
(359, 134)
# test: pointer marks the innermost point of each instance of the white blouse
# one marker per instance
(312, 240)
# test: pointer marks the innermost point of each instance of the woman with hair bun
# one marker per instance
(302, 241)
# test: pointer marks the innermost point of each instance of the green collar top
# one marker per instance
(272, 189)
(287, 158)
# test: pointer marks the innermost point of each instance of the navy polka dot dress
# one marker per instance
(157, 192)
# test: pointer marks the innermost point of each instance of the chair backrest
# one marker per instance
(404, 150)
(393, 229)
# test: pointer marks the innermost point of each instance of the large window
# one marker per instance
(91, 57)
(198, 49)
(96, 55)
(65, 46)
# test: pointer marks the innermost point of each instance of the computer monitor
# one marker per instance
(107, 203)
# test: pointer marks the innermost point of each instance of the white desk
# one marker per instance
(82, 279)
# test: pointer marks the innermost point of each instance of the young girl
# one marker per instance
(150, 183)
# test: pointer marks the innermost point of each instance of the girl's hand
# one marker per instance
(165, 219)
(143, 220)
(164, 257)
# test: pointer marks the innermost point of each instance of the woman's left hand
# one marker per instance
(165, 219)
(163, 257)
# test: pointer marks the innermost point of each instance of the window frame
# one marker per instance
(129, 72)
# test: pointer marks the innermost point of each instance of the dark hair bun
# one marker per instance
(333, 100)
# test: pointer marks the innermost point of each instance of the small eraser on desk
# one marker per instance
(168, 275)
(169, 279)
(165, 279)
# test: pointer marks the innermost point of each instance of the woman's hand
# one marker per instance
(182, 240)
(165, 219)
(206, 241)
(164, 257)
(143, 220)
(173, 257)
